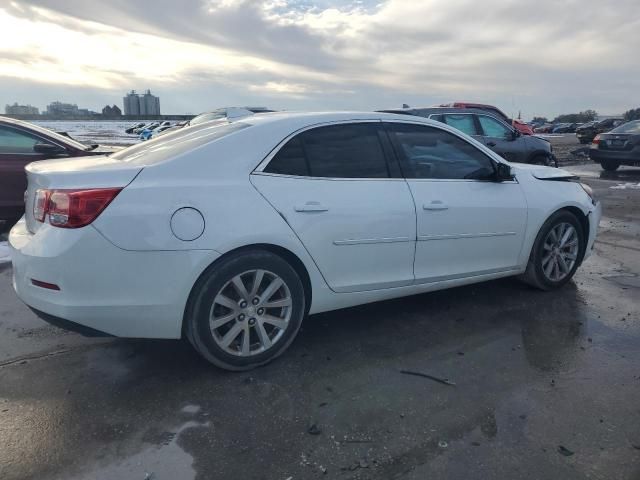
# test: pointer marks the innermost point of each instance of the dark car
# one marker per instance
(519, 125)
(22, 143)
(621, 146)
(565, 128)
(496, 134)
(587, 132)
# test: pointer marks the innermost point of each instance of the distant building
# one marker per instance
(141, 105)
(59, 109)
(111, 112)
(16, 109)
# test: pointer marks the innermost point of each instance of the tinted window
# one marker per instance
(464, 123)
(428, 152)
(17, 142)
(494, 128)
(289, 160)
(341, 151)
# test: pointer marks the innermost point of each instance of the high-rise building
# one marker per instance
(131, 103)
(16, 109)
(141, 105)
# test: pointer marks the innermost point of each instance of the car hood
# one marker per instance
(543, 173)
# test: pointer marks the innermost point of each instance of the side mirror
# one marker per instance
(515, 134)
(503, 172)
(48, 149)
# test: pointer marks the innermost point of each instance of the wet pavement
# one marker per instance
(547, 386)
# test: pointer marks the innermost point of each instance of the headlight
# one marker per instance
(589, 191)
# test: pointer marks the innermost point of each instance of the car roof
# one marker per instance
(310, 118)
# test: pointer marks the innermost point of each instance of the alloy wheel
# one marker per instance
(560, 253)
(250, 313)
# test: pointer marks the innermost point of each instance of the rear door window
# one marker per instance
(337, 151)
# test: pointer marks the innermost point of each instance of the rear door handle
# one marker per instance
(435, 205)
(311, 207)
(491, 144)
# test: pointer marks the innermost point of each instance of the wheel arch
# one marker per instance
(538, 153)
(282, 252)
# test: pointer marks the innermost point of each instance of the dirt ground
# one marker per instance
(546, 386)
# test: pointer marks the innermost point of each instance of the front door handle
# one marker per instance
(435, 205)
(311, 207)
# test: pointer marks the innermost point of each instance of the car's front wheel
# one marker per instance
(556, 252)
(609, 166)
(245, 310)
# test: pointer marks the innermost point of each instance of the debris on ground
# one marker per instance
(444, 381)
(564, 451)
(314, 430)
(443, 444)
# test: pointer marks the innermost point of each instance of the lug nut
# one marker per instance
(241, 317)
(261, 311)
(252, 321)
(255, 301)
(243, 304)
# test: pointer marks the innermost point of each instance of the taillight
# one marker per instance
(72, 208)
(596, 140)
(40, 204)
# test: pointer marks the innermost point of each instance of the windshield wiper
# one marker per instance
(91, 147)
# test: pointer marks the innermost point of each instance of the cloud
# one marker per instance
(540, 57)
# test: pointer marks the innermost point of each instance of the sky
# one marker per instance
(542, 57)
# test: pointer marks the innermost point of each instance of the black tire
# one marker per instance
(213, 280)
(534, 275)
(609, 165)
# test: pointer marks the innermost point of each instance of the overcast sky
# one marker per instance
(542, 57)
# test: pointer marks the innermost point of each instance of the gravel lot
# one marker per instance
(544, 382)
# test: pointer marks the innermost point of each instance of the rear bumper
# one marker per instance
(102, 287)
(630, 157)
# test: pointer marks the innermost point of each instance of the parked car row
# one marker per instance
(228, 233)
(587, 132)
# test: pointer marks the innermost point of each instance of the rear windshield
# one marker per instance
(631, 127)
(175, 143)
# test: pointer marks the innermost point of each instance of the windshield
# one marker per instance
(631, 127)
(172, 144)
(206, 117)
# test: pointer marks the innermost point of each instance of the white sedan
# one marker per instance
(230, 233)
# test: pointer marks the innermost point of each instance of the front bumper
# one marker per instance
(122, 293)
(594, 221)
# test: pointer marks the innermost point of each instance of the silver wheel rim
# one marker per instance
(250, 313)
(560, 252)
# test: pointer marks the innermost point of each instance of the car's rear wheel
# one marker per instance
(245, 310)
(609, 166)
(556, 252)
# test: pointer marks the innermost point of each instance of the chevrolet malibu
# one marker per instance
(231, 233)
